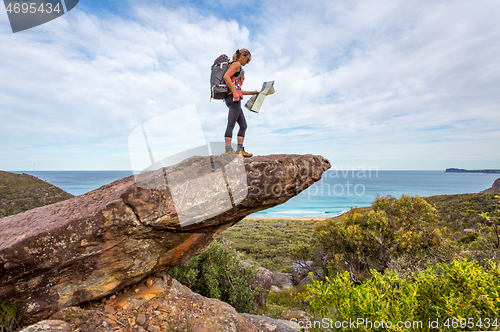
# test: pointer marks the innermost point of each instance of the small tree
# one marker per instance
(392, 229)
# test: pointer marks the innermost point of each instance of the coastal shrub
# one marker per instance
(348, 245)
(482, 241)
(10, 316)
(457, 296)
(459, 212)
(394, 230)
(218, 273)
(494, 220)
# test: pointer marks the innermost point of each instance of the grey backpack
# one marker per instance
(218, 85)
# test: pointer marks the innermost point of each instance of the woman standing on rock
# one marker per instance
(234, 77)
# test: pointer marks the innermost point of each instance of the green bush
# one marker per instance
(457, 296)
(402, 230)
(10, 316)
(218, 273)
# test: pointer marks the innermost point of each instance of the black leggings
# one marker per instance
(235, 115)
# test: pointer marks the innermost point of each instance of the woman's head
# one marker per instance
(242, 54)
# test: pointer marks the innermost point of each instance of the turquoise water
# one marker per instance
(338, 191)
(334, 194)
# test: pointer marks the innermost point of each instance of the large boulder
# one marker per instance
(282, 280)
(95, 244)
(304, 271)
(267, 280)
(264, 281)
(163, 304)
(49, 326)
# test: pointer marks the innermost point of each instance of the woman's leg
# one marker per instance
(243, 127)
(232, 117)
(241, 135)
(235, 115)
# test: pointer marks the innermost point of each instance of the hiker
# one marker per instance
(234, 78)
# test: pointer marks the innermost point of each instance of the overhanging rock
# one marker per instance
(95, 244)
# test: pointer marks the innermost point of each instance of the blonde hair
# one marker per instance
(240, 52)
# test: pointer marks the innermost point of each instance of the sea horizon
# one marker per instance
(337, 191)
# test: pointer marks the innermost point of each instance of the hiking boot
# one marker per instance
(244, 153)
(231, 152)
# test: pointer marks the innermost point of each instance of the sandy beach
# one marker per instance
(286, 218)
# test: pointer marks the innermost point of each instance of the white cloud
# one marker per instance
(397, 83)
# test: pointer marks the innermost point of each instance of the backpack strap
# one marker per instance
(238, 78)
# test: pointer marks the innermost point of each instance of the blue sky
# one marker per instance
(386, 84)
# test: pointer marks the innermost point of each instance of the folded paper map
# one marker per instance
(254, 103)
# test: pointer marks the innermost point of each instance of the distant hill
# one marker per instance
(494, 188)
(22, 192)
(461, 170)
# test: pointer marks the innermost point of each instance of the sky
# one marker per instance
(396, 85)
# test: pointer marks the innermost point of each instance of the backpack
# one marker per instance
(218, 86)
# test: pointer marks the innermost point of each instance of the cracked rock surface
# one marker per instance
(95, 244)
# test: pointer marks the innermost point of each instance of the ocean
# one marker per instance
(336, 193)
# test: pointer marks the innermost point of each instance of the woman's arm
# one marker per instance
(233, 68)
(254, 92)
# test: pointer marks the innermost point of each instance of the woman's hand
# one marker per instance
(237, 95)
(255, 92)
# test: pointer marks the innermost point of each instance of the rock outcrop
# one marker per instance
(95, 244)
(158, 304)
(268, 280)
(304, 271)
(494, 188)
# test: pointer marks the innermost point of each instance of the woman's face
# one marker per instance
(245, 59)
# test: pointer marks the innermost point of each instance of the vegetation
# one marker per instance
(431, 263)
(459, 212)
(21, 192)
(280, 303)
(218, 273)
(10, 316)
(457, 296)
(269, 243)
(471, 223)
(404, 260)
(394, 231)
(494, 220)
